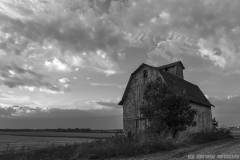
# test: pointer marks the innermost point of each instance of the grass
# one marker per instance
(214, 135)
(118, 145)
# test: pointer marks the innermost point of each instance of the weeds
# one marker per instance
(214, 135)
(118, 145)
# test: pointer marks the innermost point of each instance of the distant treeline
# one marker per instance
(86, 130)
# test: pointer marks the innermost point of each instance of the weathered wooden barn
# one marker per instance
(172, 75)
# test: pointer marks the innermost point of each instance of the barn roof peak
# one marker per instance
(192, 91)
(172, 64)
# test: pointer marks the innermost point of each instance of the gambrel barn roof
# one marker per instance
(191, 91)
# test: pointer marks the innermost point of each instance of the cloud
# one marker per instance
(36, 117)
(57, 65)
(109, 103)
(28, 88)
(186, 27)
(65, 83)
(64, 80)
(14, 76)
(26, 111)
(110, 85)
(76, 61)
(7, 99)
(121, 55)
(59, 30)
(42, 89)
(7, 111)
(231, 96)
(71, 35)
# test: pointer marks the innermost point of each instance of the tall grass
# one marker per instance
(121, 145)
(214, 135)
(118, 145)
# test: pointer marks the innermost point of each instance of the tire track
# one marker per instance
(223, 148)
(191, 151)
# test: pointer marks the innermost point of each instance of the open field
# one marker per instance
(235, 134)
(60, 134)
(41, 139)
(17, 142)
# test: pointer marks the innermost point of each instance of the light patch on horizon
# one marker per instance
(10, 99)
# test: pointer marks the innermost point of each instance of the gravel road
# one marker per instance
(228, 149)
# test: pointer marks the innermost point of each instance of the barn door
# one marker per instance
(137, 125)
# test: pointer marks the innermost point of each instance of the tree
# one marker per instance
(165, 109)
(215, 123)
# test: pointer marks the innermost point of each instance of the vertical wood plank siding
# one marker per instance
(134, 99)
(203, 119)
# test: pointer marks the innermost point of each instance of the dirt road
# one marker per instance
(228, 149)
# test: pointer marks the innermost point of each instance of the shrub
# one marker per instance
(165, 109)
(214, 135)
(121, 145)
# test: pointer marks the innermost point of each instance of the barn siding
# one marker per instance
(134, 99)
(131, 117)
(179, 71)
(203, 119)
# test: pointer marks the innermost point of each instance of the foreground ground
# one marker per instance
(228, 147)
(210, 150)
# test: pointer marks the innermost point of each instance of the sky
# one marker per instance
(65, 64)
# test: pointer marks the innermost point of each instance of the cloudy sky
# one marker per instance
(66, 63)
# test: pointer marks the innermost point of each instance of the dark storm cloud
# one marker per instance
(7, 111)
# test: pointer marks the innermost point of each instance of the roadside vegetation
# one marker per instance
(116, 146)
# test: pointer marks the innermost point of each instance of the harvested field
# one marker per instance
(17, 140)
(60, 134)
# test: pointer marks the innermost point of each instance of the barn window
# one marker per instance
(166, 69)
(136, 124)
(141, 113)
(145, 74)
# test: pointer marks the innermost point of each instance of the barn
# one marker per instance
(172, 75)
